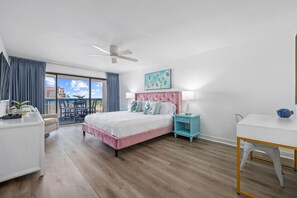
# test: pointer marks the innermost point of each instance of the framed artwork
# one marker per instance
(158, 80)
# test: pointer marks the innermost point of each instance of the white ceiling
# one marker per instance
(157, 31)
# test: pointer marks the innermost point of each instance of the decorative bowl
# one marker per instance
(284, 113)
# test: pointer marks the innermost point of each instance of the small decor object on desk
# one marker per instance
(284, 113)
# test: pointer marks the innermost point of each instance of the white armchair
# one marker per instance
(51, 122)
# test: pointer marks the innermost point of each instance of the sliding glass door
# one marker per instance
(97, 94)
(73, 97)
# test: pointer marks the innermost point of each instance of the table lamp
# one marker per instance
(129, 96)
(187, 96)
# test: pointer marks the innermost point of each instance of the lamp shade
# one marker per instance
(130, 95)
(188, 95)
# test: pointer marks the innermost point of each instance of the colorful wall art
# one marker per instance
(157, 80)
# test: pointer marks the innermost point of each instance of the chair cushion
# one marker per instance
(50, 128)
(49, 121)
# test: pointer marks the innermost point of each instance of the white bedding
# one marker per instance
(123, 123)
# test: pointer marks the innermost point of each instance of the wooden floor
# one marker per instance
(163, 167)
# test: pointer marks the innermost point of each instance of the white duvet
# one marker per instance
(123, 123)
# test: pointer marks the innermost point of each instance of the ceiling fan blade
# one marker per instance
(102, 50)
(98, 54)
(114, 60)
(125, 52)
(113, 49)
(127, 58)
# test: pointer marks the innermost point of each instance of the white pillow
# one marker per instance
(168, 108)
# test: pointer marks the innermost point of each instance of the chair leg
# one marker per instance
(84, 133)
(274, 154)
(277, 166)
(244, 158)
(248, 147)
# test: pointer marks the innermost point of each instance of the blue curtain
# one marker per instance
(28, 78)
(113, 92)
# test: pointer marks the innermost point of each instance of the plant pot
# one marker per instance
(16, 111)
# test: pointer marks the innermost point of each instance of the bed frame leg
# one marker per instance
(116, 153)
(84, 133)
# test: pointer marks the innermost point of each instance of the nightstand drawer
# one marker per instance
(181, 119)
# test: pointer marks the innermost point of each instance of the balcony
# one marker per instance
(73, 110)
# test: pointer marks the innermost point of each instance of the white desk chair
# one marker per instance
(272, 151)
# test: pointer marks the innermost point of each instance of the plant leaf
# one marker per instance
(25, 102)
(16, 102)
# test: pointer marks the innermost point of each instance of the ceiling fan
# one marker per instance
(114, 53)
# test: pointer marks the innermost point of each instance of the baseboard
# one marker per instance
(284, 153)
(218, 139)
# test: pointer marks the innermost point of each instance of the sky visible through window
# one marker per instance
(76, 87)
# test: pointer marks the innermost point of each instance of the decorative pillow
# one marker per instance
(168, 108)
(143, 103)
(150, 108)
(139, 106)
(158, 108)
(164, 107)
(133, 106)
(172, 109)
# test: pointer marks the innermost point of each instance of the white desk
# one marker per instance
(21, 146)
(266, 129)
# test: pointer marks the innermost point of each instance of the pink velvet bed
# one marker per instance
(120, 143)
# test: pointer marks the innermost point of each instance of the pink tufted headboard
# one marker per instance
(174, 96)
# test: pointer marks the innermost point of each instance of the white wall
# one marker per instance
(256, 76)
(74, 71)
(2, 48)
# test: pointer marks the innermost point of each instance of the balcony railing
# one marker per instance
(73, 110)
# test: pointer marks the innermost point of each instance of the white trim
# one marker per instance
(218, 139)
(284, 153)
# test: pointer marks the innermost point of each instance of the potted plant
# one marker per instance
(18, 105)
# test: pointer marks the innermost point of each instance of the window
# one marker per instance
(73, 97)
(50, 94)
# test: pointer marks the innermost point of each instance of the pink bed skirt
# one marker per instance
(119, 143)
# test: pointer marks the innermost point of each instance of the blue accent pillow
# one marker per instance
(133, 106)
(147, 108)
(158, 108)
(139, 106)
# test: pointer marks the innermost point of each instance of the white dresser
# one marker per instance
(21, 146)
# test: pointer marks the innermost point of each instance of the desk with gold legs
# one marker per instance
(269, 130)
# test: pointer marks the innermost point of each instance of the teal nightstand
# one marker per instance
(187, 125)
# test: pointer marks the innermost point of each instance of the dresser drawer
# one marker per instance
(181, 119)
